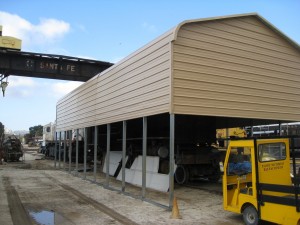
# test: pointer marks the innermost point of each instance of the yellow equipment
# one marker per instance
(231, 132)
(260, 180)
(7, 42)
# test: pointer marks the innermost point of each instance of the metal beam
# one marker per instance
(50, 66)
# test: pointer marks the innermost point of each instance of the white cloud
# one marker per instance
(62, 88)
(26, 87)
(20, 87)
(43, 33)
(52, 28)
(22, 82)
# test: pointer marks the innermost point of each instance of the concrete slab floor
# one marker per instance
(68, 199)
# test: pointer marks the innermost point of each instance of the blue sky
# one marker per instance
(105, 30)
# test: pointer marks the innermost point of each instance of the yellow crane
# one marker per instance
(7, 42)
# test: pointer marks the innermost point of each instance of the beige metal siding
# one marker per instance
(236, 67)
(137, 86)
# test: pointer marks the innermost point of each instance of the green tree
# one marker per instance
(36, 131)
(27, 138)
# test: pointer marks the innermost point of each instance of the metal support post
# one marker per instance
(55, 148)
(123, 155)
(95, 152)
(59, 150)
(65, 147)
(107, 155)
(70, 151)
(77, 134)
(55, 145)
(171, 172)
(144, 157)
(85, 150)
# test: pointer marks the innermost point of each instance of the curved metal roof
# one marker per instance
(263, 20)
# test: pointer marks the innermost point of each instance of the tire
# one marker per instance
(181, 174)
(250, 216)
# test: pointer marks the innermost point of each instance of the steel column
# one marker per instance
(65, 147)
(95, 152)
(123, 155)
(107, 154)
(55, 147)
(70, 151)
(144, 157)
(59, 150)
(77, 134)
(171, 171)
(84, 154)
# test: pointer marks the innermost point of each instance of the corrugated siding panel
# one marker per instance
(137, 86)
(236, 68)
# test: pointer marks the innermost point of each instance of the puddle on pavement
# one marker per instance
(45, 217)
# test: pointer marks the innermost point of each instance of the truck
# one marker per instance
(48, 143)
(261, 178)
(12, 149)
(194, 161)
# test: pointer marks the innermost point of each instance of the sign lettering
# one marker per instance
(273, 166)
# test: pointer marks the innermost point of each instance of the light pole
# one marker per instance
(4, 84)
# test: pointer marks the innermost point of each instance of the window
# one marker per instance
(239, 160)
(48, 129)
(271, 152)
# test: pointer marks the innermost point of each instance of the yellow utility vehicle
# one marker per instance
(260, 180)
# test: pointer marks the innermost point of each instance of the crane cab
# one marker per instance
(7, 42)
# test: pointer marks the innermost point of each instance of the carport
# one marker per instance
(201, 75)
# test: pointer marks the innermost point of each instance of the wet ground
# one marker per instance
(33, 192)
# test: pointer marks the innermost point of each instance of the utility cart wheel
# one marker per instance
(250, 216)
